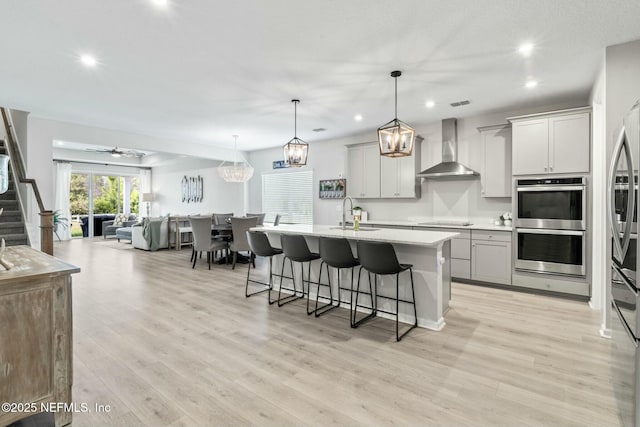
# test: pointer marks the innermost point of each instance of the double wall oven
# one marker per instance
(625, 294)
(551, 222)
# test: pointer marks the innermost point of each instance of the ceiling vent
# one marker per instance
(460, 103)
(318, 129)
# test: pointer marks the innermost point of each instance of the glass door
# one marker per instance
(98, 198)
(79, 195)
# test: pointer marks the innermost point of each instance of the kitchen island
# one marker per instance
(428, 251)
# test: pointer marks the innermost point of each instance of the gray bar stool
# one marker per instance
(335, 253)
(379, 258)
(259, 246)
(296, 250)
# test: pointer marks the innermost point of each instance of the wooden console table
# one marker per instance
(35, 335)
(182, 226)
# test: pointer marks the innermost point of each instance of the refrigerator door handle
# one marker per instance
(621, 247)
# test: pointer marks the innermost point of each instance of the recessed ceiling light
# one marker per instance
(531, 84)
(160, 3)
(525, 49)
(88, 61)
(430, 104)
(59, 143)
(357, 117)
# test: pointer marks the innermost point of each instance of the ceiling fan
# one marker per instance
(116, 152)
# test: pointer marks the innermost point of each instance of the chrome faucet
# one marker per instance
(344, 217)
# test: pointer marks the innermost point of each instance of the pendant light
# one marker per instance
(296, 150)
(238, 171)
(396, 137)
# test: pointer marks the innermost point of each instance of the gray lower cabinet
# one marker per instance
(476, 255)
(491, 257)
(461, 255)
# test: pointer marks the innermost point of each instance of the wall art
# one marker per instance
(333, 188)
(192, 189)
(280, 164)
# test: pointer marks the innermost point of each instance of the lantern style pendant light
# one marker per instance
(238, 171)
(296, 150)
(396, 137)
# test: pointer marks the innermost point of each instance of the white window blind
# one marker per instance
(289, 194)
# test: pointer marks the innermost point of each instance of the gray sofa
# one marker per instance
(109, 229)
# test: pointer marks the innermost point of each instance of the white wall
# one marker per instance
(598, 190)
(219, 196)
(459, 198)
(38, 151)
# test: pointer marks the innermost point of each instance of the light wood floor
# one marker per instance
(165, 345)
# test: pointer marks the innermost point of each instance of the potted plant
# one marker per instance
(506, 219)
(340, 189)
(59, 222)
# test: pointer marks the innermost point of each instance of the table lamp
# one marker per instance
(147, 197)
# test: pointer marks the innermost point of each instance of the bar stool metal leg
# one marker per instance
(415, 323)
(354, 323)
(268, 286)
(319, 311)
(282, 301)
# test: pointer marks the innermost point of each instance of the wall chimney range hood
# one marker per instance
(449, 167)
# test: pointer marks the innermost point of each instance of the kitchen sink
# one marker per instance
(351, 229)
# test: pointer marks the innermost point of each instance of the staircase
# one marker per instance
(12, 227)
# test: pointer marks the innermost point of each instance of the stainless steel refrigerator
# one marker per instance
(625, 322)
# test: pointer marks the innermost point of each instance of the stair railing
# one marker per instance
(19, 172)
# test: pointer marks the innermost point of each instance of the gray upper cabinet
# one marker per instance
(555, 142)
(530, 147)
(569, 146)
(495, 171)
(363, 171)
(398, 175)
(370, 175)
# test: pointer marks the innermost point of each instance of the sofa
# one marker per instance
(109, 227)
(138, 241)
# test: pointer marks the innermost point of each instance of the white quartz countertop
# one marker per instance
(402, 237)
(434, 224)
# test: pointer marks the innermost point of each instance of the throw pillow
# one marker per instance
(119, 219)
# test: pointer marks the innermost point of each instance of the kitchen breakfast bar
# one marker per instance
(427, 251)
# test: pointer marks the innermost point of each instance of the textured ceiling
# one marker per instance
(202, 70)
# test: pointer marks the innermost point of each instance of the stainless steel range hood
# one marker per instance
(449, 167)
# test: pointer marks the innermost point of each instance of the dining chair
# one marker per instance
(202, 241)
(222, 218)
(239, 228)
(260, 217)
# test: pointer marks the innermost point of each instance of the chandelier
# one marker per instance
(396, 137)
(296, 150)
(238, 171)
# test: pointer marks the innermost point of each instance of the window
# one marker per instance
(289, 194)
